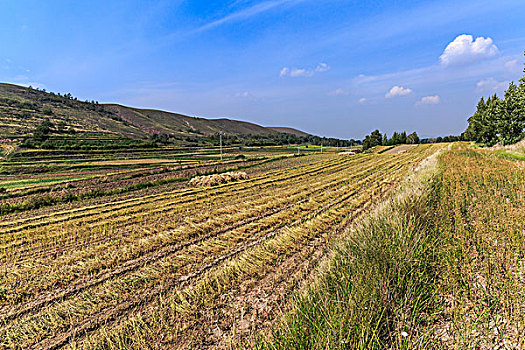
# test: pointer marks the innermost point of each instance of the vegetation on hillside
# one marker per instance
(42, 119)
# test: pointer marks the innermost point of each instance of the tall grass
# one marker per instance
(378, 290)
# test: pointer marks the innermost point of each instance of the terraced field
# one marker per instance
(183, 267)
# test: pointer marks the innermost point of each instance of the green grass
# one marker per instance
(510, 155)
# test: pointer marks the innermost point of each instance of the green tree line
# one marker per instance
(377, 139)
(499, 120)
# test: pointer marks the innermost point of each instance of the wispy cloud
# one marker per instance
(338, 92)
(246, 13)
(514, 66)
(243, 94)
(303, 72)
(25, 81)
(491, 85)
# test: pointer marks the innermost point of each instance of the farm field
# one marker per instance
(262, 175)
(437, 266)
(172, 265)
(40, 178)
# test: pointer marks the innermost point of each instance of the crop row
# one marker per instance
(482, 211)
(182, 310)
(200, 222)
(160, 249)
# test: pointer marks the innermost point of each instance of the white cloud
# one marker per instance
(247, 13)
(243, 94)
(304, 72)
(429, 100)
(322, 67)
(491, 85)
(24, 80)
(362, 100)
(301, 72)
(284, 72)
(514, 66)
(464, 49)
(398, 91)
(34, 84)
(337, 92)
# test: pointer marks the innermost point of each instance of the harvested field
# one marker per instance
(143, 270)
(398, 149)
(217, 179)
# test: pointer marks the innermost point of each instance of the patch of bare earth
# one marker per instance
(399, 149)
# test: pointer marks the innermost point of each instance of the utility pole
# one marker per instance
(321, 148)
(220, 138)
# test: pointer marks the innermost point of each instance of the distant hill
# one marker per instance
(23, 109)
(288, 131)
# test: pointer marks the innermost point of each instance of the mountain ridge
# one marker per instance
(22, 109)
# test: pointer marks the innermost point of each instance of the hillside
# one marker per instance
(289, 131)
(23, 109)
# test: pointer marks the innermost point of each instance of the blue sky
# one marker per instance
(333, 67)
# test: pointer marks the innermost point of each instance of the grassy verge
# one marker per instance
(378, 290)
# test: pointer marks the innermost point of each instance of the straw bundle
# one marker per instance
(217, 179)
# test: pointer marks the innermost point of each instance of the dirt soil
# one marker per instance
(399, 149)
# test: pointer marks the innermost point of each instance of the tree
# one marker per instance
(403, 137)
(61, 127)
(499, 120)
(43, 130)
(412, 138)
(511, 113)
(474, 127)
(374, 139)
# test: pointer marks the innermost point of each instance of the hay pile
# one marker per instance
(217, 179)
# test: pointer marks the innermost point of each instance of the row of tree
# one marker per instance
(377, 139)
(254, 140)
(499, 120)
